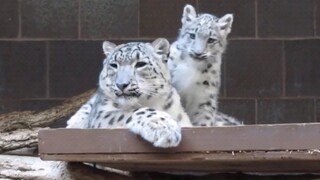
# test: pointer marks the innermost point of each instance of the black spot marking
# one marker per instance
(209, 65)
(207, 117)
(162, 119)
(128, 120)
(168, 105)
(136, 110)
(140, 113)
(111, 121)
(162, 75)
(205, 83)
(203, 125)
(204, 71)
(149, 115)
(214, 84)
(106, 116)
(99, 114)
(99, 125)
(150, 109)
(213, 72)
(170, 95)
(154, 70)
(104, 102)
(211, 96)
(213, 108)
(115, 105)
(120, 118)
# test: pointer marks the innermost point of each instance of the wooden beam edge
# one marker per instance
(232, 138)
(275, 161)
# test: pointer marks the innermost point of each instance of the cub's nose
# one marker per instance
(197, 54)
(122, 86)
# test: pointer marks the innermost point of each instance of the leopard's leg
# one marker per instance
(157, 127)
(203, 113)
(81, 118)
(222, 119)
(214, 118)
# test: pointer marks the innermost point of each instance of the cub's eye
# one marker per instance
(211, 40)
(192, 35)
(140, 64)
(113, 65)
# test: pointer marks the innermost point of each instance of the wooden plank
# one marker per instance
(251, 138)
(283, 161)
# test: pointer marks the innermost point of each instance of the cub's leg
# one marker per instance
(222, 119)
(157, 127)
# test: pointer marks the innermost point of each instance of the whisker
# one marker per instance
(150, 93)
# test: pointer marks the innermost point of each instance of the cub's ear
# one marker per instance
(162, 46)
(189, 14)
(108, 47)
(225, 23)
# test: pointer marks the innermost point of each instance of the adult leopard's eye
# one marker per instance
(192, 35)
(211, 40)
(113, 65)
(140, 64)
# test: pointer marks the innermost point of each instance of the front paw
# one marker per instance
(160, 129)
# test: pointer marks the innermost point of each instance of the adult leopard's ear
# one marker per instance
(162, 46)
(108, 47)
(225, 23)
(189, 14)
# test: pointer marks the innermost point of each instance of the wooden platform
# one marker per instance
(254, 148)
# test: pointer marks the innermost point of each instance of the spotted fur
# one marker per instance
(135, 92)
(195, 66)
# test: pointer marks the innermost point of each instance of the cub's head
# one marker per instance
(204, 35)
(134, 70)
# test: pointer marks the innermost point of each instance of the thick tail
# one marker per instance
(226, 120)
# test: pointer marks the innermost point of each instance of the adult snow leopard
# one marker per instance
(195, 65)
(135, 92)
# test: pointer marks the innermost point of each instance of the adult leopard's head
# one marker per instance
(204, 35)
(135, 70)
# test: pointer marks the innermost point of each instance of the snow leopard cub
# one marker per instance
(195, 66)
(135, 92)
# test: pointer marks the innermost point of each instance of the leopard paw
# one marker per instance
(156, 127)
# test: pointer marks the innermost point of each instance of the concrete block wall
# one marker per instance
(51, 50)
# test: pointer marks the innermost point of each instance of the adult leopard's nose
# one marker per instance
(122, 86)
